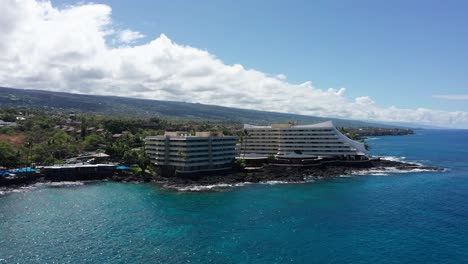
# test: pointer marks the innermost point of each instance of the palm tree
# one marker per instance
(244, 135)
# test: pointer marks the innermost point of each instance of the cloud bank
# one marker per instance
(79, 49)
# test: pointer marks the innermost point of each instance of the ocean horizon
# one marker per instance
(377, 217)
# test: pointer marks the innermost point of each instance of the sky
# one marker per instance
(396, 61)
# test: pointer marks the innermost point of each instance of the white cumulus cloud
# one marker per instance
(281, 77)
(67, 49)
(128, 36)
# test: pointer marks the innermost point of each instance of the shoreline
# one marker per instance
(274, 174)
(267, 174)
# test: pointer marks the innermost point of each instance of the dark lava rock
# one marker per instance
(293, 173)
(269, 172)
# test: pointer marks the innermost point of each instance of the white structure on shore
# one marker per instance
(182, 152)
(7, 124)
(299, 141)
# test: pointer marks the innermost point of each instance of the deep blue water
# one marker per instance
(399, 218)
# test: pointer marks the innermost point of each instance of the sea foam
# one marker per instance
(210, 187)
(4, 191)
(223, 186)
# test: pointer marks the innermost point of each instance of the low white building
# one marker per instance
(7, 124)
(182, 152)
(299, 141)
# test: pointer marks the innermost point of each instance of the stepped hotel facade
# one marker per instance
(299, 141)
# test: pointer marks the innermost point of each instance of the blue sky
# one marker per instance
(397, 52)
(394, 61)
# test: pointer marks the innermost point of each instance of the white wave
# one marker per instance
(403, 159)
(371, 172)
(211, 187)
(22, 189)
(59, 184)
(223, 186)
(28, 188)
(392, 158)
(390, 170)
(415, 169)
(273, 182)
(372, 138)
(279, 182)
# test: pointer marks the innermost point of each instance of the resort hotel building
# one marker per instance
(299, 141)
(181, 152)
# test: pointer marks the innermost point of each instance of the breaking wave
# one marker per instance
(201, 188)
(224, 186)
(403, 159)
(390, 170)
(393, 158)
(4, 191)
(60, 184)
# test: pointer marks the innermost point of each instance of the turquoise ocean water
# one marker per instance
(377, 218)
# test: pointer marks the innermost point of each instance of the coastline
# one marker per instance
(274, 174)
(267, 174)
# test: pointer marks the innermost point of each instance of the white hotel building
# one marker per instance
(184, 153)
(299, 141)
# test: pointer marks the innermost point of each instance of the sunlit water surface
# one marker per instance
(380, 218)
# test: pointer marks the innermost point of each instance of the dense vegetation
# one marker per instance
(50, 137)
(45, 137)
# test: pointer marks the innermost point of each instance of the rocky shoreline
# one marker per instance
(267, 173)
(19, 182)
(291, 174)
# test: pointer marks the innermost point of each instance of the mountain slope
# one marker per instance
(132, 107)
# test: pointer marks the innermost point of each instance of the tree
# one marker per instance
(181, 154)
(352, 135)
(240, 163)
(366, 146)
(9, 118)
(270, 157)
(143, 160)
(117, 149)
(243, 135)
(7, 131)
(8, 156)
(52, 147)
(93, 141)
(138, 157)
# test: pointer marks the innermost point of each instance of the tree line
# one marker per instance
(50, 137)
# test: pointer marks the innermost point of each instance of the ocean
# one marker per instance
(380, 217)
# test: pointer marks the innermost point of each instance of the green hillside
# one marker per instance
(132, 107)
